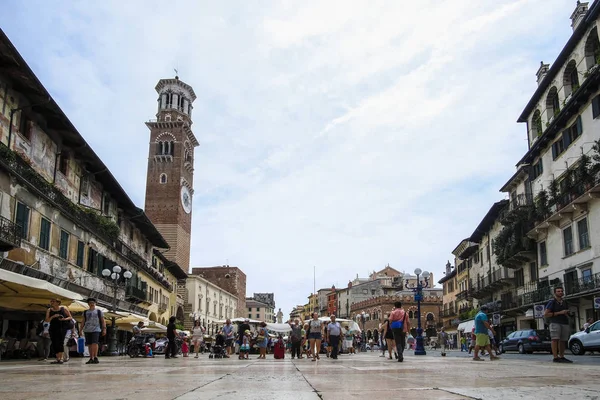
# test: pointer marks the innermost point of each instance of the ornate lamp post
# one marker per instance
(113, 282)
(418, 290)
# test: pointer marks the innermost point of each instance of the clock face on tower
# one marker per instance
(186, 200)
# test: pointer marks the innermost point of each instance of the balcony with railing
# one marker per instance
(492, 282)
(162, 307)
(582, 286)
(532, 293)
(447, 313)
(464, 294)
(10, 235)
(136, 295)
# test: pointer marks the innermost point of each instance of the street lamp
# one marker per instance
(114, 275)
(418, 290)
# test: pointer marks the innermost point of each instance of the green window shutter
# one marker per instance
(64, 245)
(22, 219)
(45, 234)
(80, 251)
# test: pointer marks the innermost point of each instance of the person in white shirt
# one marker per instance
(334, 330)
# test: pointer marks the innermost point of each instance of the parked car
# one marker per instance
(527, 341)
(587, 340)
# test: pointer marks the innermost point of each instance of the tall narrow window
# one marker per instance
(596, 107)
(63, 250)
(163, 178)
(568, 240)
(92, 260)
(543, 253)
(25, 127)
(80, 253)
(22, 219)
(582, 232)
(63, 165)
(533, 272)
(44, 234)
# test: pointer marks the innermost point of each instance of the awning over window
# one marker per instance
(466, 326)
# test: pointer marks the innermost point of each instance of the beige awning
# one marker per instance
(21, 292)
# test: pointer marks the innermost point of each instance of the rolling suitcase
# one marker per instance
(279, 351)
(81, 345)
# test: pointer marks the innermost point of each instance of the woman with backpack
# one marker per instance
(60, 320)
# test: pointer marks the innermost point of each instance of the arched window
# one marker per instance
(552, 103)
(181, 102)
(592, 49)
(169, 100)
(163, 178)
(411, 314)
(430, 317)
(571, 78)
(536, 123)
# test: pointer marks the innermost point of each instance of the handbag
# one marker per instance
(398, 324)
(71, 342)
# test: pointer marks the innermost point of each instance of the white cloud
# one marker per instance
(344, 135)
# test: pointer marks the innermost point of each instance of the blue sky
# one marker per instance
(342, 135)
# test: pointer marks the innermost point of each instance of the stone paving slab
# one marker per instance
(364, 376)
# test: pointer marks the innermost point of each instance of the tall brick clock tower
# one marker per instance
(170, 178)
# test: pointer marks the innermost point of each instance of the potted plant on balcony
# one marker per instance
(542, 205)
(583, 174)
(553, 192)
(595, 164)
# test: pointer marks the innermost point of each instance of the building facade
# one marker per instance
(209, 303)
(230, 279)
(258, 310)
(64, 218)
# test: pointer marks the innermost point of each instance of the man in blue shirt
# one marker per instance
(482, 339)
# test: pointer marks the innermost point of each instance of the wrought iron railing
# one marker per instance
(10, 232)
(136, 293)
(582, 285)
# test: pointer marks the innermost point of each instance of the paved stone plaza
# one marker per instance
(364, 376)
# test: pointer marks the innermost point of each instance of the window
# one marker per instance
(25, 127)
(568, 240)
(80, 250)
(105, 204)
(257, 309)
(533, 272)
(536, 123)
(572, 133)
(44, 234)
(249, 315)
(537, 169)
(163, 178)
(257, 316)
(574, 78)
(63, 250)
(582, 232)
(586, 275)
(63, 164)
(92, 261)
(543, 253)
(519, 278)
(596, 107)
(22, 219)
(557, 148)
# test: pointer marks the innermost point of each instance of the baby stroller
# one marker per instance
(217, 350)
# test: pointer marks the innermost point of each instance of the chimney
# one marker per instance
(578, 14)
(541, 73)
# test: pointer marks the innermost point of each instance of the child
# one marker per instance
(185, 348)
(245, 347)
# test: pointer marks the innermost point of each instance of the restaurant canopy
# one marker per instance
(21, 292)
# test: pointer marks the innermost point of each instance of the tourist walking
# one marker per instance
(349, 340)
(400, 325)
(262, 340)
(482, 338)
(334, 331)
(59, 318)
(296, 338)
(197, 336)
(43, 340)
(171, 350)
(388, 336)
(93, 325)
(443, 340)
(315, 335)
(227, 331)
(557, 312)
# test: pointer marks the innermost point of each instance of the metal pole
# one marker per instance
(420, 348)
(112, 342)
